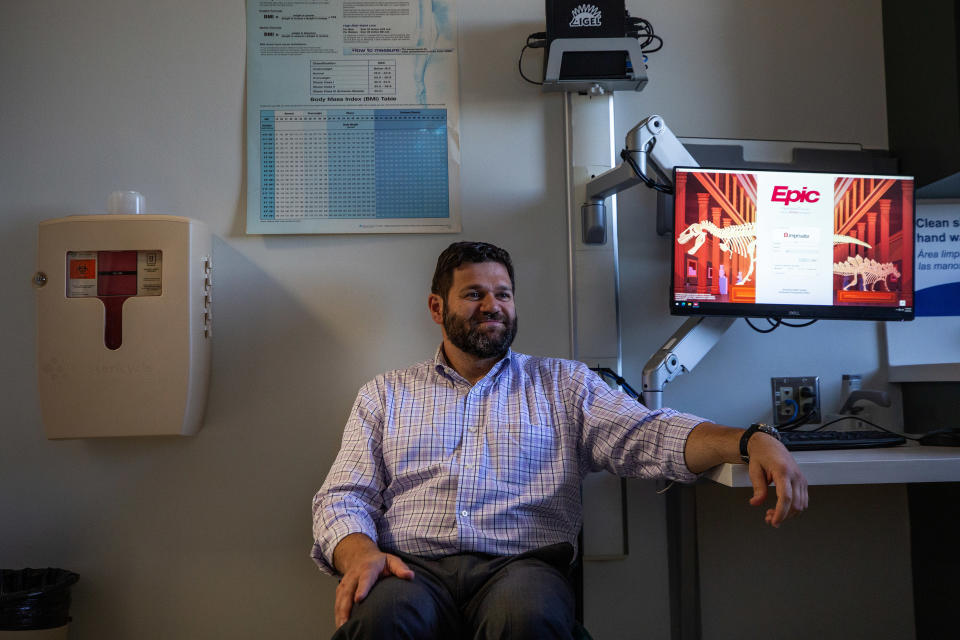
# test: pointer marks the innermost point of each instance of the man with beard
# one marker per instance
(453, 507)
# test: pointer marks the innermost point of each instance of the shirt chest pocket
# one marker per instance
(524, 452)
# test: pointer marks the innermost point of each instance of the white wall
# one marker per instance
(208, 536)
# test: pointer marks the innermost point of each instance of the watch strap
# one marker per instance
(744, 439)
(754, 428)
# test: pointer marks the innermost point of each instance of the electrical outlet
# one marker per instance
(796, 397)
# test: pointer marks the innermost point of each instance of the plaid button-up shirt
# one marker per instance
(432, 466)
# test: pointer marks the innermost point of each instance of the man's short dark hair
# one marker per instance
(460, 252)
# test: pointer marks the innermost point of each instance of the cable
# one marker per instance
(611, 374)
(520, 64)
(791, 425)
(649, 38)
(872, 424)
(804, 324)
(774, 322)
(796, 408)
(777, 322)
(536, 40)
(656, 186)
(641, 28)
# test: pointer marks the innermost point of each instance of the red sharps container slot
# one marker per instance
(116, 281)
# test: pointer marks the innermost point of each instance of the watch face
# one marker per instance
(770, 431)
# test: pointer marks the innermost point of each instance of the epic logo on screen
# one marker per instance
(786, 195)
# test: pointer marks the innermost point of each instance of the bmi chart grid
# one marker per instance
(340, 163)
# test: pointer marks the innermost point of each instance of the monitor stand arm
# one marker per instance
(679, 354)
(654, 144)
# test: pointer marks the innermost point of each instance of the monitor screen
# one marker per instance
(791, 244)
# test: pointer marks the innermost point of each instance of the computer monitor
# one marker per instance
(792, 244)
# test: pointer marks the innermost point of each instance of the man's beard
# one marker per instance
(465, 334)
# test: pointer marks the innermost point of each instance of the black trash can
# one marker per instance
(35, 599)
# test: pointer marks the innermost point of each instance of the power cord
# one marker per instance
(536, 40)
(641, 28)
(776, 322)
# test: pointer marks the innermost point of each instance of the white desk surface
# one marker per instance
(906, 463)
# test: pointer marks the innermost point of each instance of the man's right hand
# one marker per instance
(362, 563)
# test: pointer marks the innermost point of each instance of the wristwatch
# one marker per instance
(757, 426)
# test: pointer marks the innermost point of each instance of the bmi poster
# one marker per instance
(352, 117)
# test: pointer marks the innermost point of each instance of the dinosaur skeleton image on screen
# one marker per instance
(871, 271)
(740, 239)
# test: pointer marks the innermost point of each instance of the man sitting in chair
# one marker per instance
(453, 507)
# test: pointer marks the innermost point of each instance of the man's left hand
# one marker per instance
(771, 462)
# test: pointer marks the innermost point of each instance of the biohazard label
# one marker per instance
(81, 274)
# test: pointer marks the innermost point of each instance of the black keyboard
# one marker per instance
(814, 440)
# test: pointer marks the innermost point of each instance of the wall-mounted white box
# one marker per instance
(124, 325)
